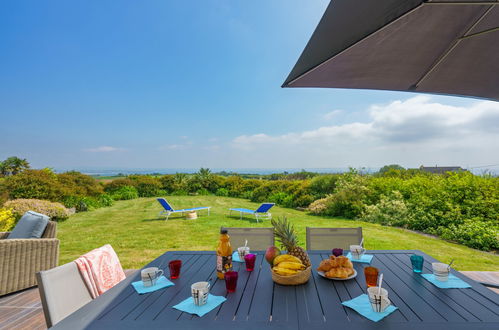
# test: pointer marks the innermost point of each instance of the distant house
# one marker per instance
(441, 169)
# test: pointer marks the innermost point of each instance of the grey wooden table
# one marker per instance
(258, 303)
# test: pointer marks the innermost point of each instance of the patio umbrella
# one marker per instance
(443, 47)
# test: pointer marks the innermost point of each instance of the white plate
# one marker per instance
(338, 279)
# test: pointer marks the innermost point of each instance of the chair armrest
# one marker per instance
(4, 234)
(20, 259)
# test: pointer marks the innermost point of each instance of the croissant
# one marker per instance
(343, 261)
(325, 265)
(339, 272)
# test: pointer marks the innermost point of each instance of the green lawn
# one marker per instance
(138, 236)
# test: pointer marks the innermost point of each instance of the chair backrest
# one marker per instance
(62, 291)
(330, 238)
(50, 230)
(165, 204)
(264, 207)
(258, 238)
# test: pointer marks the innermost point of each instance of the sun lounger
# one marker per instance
(260, 213)
(169, 210)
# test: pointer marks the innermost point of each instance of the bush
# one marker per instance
(390, 211)
(473, 233)
(323, 185)
(56, 211)
(203, 192)
(117, 184)
(78, 184)
(29, 184)
(125, 193)
(147, 186)
(222, 192)
(282, 199)
(7, 220)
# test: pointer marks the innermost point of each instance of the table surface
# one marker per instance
(260, 303)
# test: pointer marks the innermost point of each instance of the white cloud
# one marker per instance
(173, 147)
(104, 149)
(412, 131)
(332, 114)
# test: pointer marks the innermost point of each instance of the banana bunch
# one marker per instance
(286, 265)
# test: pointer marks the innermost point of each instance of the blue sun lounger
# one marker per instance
(169, 210)
(260, 213)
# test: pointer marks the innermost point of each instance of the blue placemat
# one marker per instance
(366, 258)
(162, 282)
(453, 282)
(362, 306)
(189, 307)
(235, 256)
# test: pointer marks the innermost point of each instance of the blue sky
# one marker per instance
(197, 83)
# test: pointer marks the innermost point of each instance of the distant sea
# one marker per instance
(127, 171)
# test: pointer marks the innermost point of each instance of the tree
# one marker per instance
(13, 165)
(386, 168)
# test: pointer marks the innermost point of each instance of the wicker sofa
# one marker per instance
(20, 259)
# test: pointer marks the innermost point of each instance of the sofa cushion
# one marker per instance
(31, 225)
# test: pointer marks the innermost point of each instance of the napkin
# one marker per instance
(366, 258)
(362, 306)
(453, 282)
(161, 283)
(188, 305)
(235, 256)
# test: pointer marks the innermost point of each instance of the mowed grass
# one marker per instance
(139, 236)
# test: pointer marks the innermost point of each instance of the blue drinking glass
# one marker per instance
(417, 263)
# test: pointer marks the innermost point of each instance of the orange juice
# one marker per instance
(224, 254)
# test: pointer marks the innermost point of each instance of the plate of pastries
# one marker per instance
(337, 268)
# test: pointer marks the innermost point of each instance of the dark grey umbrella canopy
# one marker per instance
(443, 47)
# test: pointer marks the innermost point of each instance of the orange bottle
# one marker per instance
(224, 255)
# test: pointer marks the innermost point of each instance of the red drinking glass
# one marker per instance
(231, 281)
(250, 261)
(175, 266)
(337, 252)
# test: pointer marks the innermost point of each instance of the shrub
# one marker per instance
(303, 200)
(39, 184)
(105, 200)
(222, 192)
(390, 211)
(117, 184)
(203, 192)
(473, 233)
(56, 211)
(282, 199)
(7, 220)
(125, 193)
(78, 184)
(147, 186)
(180, 193)
(323, 185)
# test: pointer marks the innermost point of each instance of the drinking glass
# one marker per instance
(250, 261)
(231, 281)
(337, 252)
(417, 263)
(175, 266)
(371, 274)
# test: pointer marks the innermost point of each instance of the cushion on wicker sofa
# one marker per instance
(31, 225)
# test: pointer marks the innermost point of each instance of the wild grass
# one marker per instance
(138, 235)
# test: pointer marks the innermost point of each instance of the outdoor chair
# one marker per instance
(329, 238)
(169, 210)
(21, 258)
(258, 238)
(62, 291)
(261, 212)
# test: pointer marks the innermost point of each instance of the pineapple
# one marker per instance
(285, 234)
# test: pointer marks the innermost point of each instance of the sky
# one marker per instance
(196, 83)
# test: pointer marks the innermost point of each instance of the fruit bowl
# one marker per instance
(296, 279)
